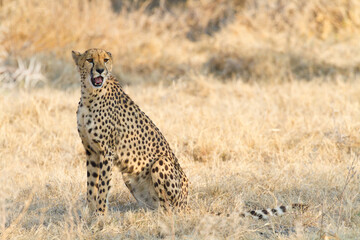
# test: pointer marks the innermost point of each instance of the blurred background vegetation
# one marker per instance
(163, 41)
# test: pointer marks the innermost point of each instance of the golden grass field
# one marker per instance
(259, 101)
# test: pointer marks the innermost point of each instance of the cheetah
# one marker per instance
(115, 132)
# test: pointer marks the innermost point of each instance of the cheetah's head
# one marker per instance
(94, 66)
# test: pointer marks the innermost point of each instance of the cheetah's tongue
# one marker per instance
(98, 80)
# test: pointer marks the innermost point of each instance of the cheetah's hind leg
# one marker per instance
(169, 183)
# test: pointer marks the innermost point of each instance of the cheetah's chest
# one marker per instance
(91, 128)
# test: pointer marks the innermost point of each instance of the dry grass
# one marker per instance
(242, 146)
(228, 92)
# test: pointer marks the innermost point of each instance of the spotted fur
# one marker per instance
(278, 211)
(115, 132)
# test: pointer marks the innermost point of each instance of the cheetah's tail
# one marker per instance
(269, 212)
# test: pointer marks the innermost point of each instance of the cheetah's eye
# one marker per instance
(106, 59)
(90, 60)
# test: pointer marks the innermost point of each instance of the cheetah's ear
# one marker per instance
(110, 55)
(76, 56)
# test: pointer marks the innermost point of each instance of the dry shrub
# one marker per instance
(136, 40)
(278, 66)
(285, 40)
(319, 18)
(253, 39)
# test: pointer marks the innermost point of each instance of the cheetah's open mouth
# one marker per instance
(98, 81)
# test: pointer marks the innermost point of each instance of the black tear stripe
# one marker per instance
(91, 71)
(107, 71)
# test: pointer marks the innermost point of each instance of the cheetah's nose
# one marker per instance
(100, 70)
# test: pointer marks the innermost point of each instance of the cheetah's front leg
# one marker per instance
(106, 164)
(92, 165)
